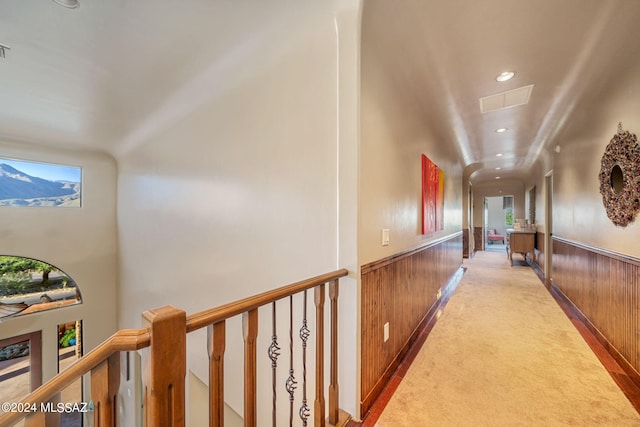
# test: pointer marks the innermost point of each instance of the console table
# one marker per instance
(521, 241)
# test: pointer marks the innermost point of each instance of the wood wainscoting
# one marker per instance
(540, 250)
(465, 243)
(478, 233)
(400, 290)
(604, 287)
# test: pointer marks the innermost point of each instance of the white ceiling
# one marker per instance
(444, 55)
(93, 76)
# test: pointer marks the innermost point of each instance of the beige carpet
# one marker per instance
(504, 354)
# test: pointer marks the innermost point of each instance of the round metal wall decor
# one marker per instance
(620, 177)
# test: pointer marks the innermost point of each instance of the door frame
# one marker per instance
(35, 355)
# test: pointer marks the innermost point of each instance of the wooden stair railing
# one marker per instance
(162, 341)
(103, 364)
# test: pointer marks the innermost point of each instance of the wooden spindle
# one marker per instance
(164, 367)
(250, 332)
(333, 385)
(216, 343)
(39, 419)
(105, 382)
(43, 417)
(319, 402)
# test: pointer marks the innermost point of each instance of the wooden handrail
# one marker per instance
(164, 339)
(214, 315)
(123, 340)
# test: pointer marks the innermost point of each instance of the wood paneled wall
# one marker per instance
(465, 243)
(401, 290)
(540, 248)
(604, 286)
(477, 239)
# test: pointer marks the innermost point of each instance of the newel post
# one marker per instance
(164, 367)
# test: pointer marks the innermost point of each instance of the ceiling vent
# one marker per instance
(510, 98)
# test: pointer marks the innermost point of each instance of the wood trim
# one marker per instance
(601, 339)
(541, 248)
(35, 357)
(478, 237)
(163, 338)
(123, 340)
(214, 315)
(603, 286)
(334, 387)
(421, 335)
(465, 243)
(216, 345)
(165, 367)
(105, 381)
(367, 268)
(401, 290)
(600, 251)
(250, 335)
(319, 402)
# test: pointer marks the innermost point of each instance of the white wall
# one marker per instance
(79, 241)
(577, 204)
(496, 215)
(394, 135)
(513, 188)
(239, 193)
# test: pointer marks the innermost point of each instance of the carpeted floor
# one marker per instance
(504, 354)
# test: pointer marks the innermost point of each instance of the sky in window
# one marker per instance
(47, 171)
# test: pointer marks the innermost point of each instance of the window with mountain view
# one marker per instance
(24, 183)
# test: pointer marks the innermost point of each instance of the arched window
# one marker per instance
(28, 286)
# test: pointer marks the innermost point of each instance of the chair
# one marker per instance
(493, 236)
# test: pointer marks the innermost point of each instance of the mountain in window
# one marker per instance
(18, 188)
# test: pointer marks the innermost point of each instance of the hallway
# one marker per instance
(503, 353)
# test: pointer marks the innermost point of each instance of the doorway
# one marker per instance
(497, 218)
(20, 366)
(70, 350)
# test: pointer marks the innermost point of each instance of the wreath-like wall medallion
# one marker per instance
(620, 177)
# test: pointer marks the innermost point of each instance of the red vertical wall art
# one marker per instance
(432, 196)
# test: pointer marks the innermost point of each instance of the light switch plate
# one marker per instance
(385, 237)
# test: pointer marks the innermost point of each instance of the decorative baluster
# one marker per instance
(105, 381)
(333, 385)
(44, 418)
(304, 336)
(250, 329)
(216, 344)
(291, 381)
(318, 412)
(274, 353)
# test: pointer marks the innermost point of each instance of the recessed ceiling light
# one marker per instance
(499, 155)
(501, 130)
(498, 169)
(502, 77)
(69, 4)
(497, 177)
